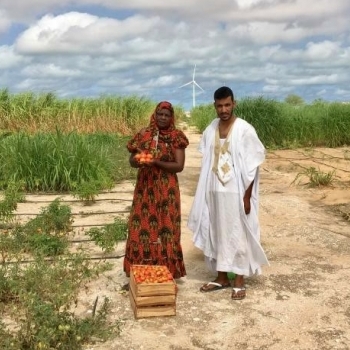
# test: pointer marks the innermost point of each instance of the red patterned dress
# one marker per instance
(155, 217)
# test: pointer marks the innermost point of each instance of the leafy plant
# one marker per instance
(40, 297)
(10, 245)
(13, 194)
(46, 234)
(316, 177)
(50, 329)
(88, 190)
(46, 244)
(109, 235)
(56, 218)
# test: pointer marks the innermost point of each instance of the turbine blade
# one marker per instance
(185, 84)
(197, 85)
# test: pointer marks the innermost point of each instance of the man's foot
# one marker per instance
(214, 285)
(238, 293)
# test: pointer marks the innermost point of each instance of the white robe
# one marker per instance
(229, 239)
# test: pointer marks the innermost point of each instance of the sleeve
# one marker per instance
(180, 140)
(202, 143)
(134, 143)
(252, 155)
(139, 140)
(207, 136)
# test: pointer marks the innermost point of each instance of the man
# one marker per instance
(224, 213)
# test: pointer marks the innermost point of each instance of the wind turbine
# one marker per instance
(194, 84)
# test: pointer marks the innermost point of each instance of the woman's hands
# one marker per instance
(175, 166)
(141, 158)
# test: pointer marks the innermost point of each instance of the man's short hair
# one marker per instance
(223, 92)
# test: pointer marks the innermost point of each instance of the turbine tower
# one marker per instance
(194, 84)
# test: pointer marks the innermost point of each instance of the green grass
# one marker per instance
(282, 125)
(90, 159)
(32, 113)
(316, 177)
(64, 162)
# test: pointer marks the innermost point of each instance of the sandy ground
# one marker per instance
(301, 301)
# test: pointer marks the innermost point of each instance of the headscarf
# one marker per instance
(149, 139)
(153, 123)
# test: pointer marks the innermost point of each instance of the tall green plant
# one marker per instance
(54, 162)
(335, 124)
(201, 116)
(285, 125)
(32, 112)
(265, 115)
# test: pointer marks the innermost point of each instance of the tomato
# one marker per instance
(143, 157)
(151, 274)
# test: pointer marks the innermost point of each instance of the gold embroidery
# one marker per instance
(225, 168)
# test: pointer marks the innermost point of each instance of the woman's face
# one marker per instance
(163, 118)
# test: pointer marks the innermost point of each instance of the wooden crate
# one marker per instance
(152, 299)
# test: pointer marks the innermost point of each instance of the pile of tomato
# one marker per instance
(144, 157)
(151, 274)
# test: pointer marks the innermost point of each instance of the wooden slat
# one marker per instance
(153, 299)
(151, 311)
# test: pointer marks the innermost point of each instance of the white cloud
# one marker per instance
(80, 32)
(5, 23)
(48, 34)
(276, 89)
(320, 79)
(273, 47)
(49, 70)
(322, 92)
(263, 33)
(9, 59)
(239, 10)
(323, 50)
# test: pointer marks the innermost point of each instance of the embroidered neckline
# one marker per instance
(218, 149)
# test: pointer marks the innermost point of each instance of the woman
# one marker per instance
(155, 217)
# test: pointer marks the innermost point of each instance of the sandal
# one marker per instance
(212, 286)
(238, 293)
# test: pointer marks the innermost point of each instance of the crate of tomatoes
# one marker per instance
(152, 291)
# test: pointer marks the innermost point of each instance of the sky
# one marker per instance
(149, 48)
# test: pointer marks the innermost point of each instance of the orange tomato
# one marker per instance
(143, 157)
(151, 274)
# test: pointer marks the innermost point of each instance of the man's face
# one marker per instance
(224, 108)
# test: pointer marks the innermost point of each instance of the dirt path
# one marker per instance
(301, 301)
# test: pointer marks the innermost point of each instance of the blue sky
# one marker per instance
(270, 48)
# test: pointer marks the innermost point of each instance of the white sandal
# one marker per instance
(235, 292)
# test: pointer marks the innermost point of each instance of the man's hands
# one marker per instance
(246, 203)
(246, 198)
